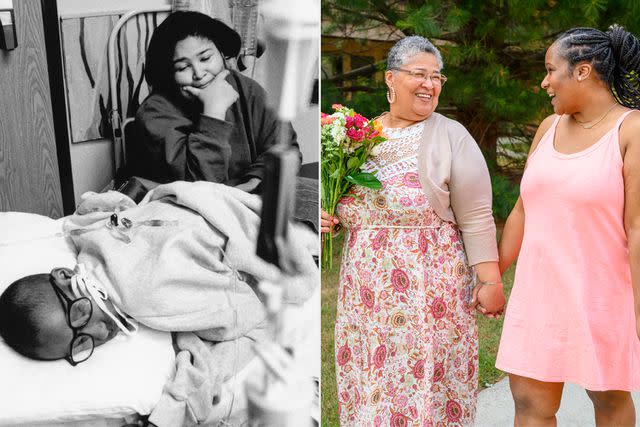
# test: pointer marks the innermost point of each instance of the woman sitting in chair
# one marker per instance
(202, 121)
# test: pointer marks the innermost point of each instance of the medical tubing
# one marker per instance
(81, 285)
(235, 276)
(79, 231)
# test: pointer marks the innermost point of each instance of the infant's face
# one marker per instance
(56, 335)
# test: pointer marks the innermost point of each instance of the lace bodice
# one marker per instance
(400, 202)
(398, 154)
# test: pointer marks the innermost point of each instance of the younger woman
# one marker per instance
(574, 313)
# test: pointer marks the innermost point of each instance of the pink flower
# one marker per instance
(337, 106)
(347, 200)
(400, 400)
(349, 122)
(359, 120)
(405, 201)
(438, 372)
(422, 243)
(413, 411)
(471, 370)
(344, 355)
(355, 134)
(438, 308)
(400, 280)
(411, 180)
(365, 275)
(454, 411)
(418, 369)
(353, 235)
(367, 296)
(379, 356)
(398, 420)
(377, 421)
(326, 119)
(380, 239)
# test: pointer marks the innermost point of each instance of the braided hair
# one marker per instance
(614, 54)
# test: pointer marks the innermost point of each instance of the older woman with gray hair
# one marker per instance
(419, 255)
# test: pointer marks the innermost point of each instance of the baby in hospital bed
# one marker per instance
(183, 260)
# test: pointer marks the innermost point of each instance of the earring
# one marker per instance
(391, 95)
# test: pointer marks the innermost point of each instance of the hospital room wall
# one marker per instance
(91, 162)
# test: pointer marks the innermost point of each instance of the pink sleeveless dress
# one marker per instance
(570, 316)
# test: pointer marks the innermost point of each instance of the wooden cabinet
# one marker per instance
(29, 157)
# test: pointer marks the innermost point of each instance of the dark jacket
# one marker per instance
(174, 141)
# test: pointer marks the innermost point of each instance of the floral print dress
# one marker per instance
(406, 343)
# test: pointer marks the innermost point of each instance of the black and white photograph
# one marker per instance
(159, 220)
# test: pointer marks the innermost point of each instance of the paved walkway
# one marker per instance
(495, 407)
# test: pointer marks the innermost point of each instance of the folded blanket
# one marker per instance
(194, 273)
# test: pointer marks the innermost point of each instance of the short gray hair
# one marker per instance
(409, 46)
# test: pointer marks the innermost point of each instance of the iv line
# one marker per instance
(79, 231)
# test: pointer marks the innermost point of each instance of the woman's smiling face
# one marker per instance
(416, 98)
(196, 62)
(559, 82)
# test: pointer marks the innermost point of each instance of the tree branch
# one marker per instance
(357, 89)
(367, 70)
(361, 14)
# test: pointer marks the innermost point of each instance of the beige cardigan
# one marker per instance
(456, 182)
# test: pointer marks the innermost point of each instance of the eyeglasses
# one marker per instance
(78, 313)
(436, 78)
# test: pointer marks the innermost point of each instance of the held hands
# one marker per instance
(488, 299)
(216, 96)
(328, 223)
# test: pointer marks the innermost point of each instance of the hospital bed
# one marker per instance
(123, 379)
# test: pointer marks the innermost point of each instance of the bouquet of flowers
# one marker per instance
(346, 140)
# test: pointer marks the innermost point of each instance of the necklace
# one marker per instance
(581, 124)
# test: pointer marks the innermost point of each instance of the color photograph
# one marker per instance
(457, 138)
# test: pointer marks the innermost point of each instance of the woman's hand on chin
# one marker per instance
(216, 96)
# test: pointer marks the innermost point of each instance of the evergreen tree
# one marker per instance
(493, 52)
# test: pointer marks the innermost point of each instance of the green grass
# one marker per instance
(488, 330)
(329, 297)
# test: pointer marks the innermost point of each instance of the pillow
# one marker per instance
(122, 377)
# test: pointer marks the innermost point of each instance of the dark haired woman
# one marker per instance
(202, 120)
(574, 313)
